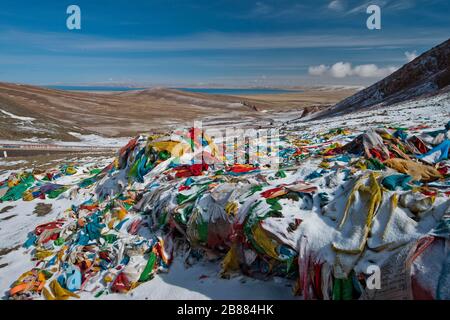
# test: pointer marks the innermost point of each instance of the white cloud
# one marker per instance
(410, 56)
(318, 70)
(341, 70)
(345, 69)
(373, 71)
(336, 5)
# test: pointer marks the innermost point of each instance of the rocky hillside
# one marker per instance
(428, 74)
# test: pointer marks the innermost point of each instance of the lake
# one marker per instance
(224, 91)
(238, 91)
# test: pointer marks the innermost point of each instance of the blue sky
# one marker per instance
(223, 42)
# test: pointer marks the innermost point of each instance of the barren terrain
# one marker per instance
(39, 113)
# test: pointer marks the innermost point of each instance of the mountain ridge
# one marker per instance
(428, 74)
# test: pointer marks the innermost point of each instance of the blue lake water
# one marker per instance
(225, 91)
(238, 91)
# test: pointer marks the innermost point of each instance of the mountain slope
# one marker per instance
(35, 112)
(428, 74)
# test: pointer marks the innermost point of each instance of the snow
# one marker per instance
(17, 117)
(96, 140)
(201, 282)
(11, 163)
(88, 140)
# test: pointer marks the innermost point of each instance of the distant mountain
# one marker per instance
(428, 74)
(31, 112)
(39, 113)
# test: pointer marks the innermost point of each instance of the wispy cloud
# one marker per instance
(261, 9)
(318, 70)
(363, 7)
(64, 42)
(336, 5)
(388, 5)
(410, 56)
(401, 4)
(279, 10)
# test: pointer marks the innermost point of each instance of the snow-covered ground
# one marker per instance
(202, 280)
(432, 111)
(11, 163)
(88, 140)
(198, 282)
(11, 115)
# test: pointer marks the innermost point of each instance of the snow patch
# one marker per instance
(11, 115)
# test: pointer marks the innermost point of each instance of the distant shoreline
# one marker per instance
(222, 91)
(238, 91)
